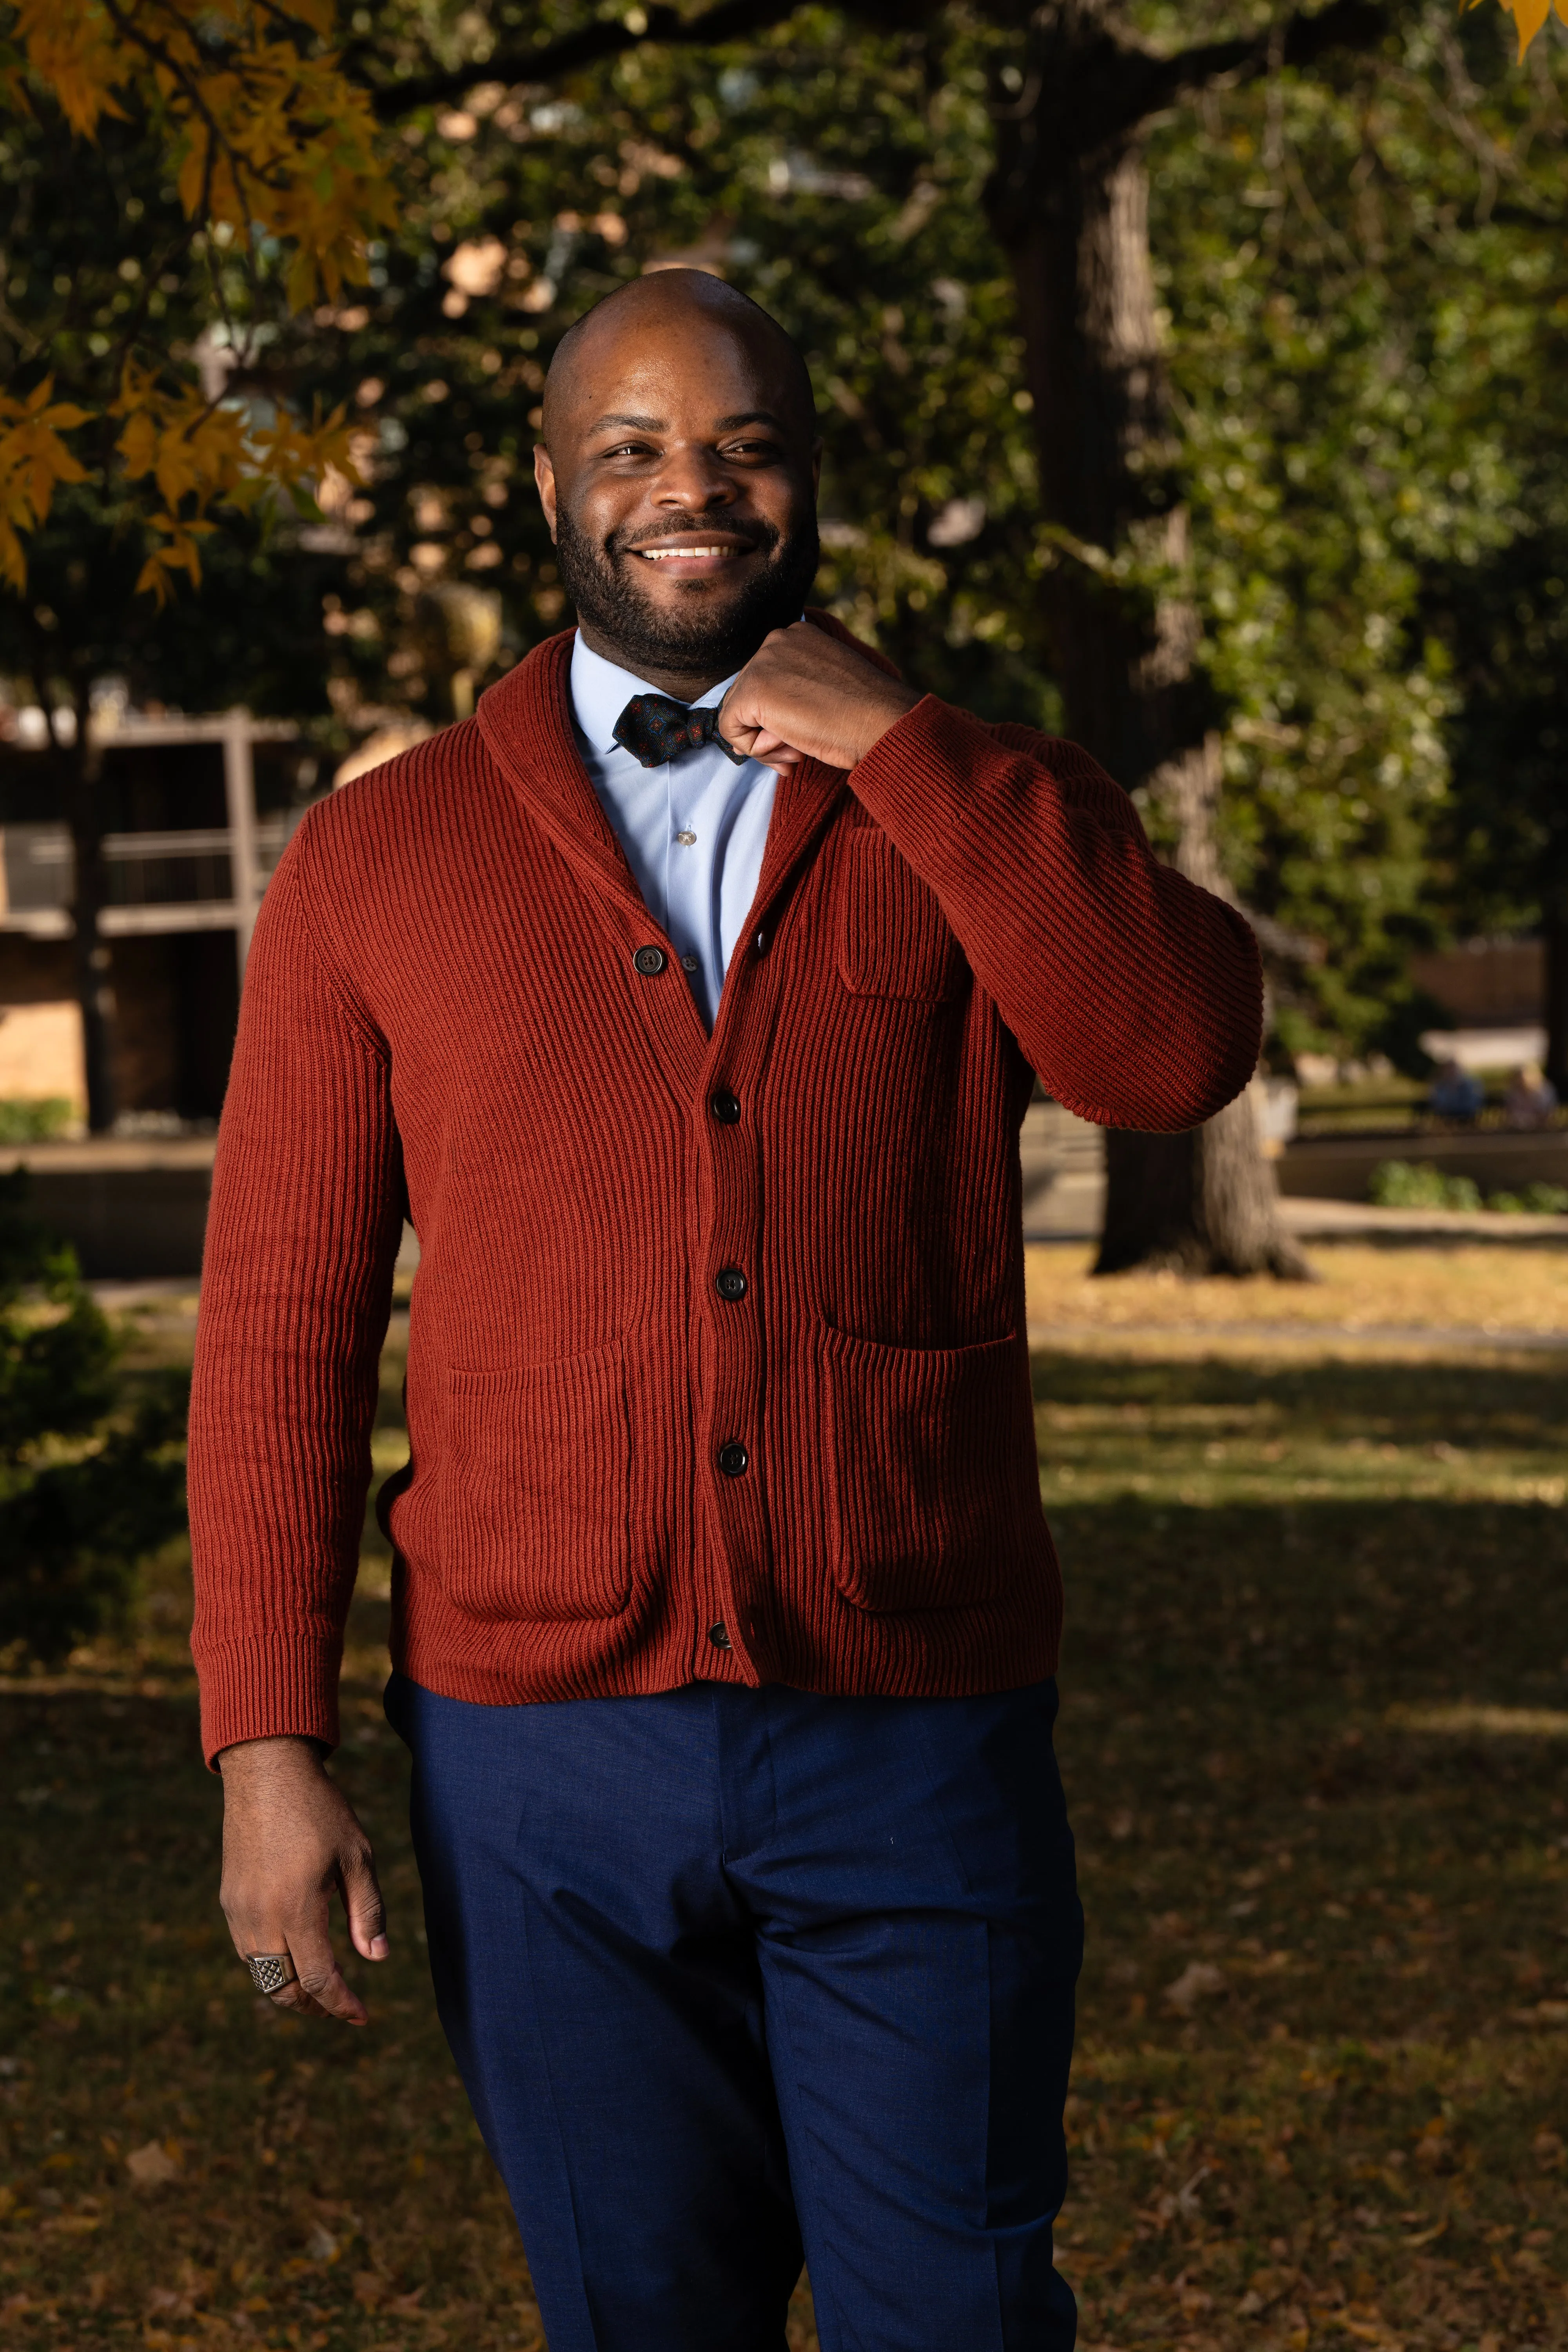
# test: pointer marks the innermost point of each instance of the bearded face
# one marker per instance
(707, 625)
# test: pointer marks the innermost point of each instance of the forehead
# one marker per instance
(684, 368)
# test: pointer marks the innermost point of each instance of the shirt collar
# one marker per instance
(600, 691)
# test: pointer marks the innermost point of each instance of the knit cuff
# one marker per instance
(269, 1688)
(933, 744)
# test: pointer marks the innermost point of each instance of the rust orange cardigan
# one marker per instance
(708, 1332)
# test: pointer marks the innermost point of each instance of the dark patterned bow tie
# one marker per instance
(654, 728)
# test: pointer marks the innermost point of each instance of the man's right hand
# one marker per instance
(290, 1838)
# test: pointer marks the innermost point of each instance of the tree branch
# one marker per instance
(1343, 24)
(729, 20)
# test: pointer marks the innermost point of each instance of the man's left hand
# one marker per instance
(804, 696)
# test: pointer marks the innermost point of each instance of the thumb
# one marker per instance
(362, 1902)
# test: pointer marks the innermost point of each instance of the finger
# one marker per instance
(367, 1910)
(322, 1990)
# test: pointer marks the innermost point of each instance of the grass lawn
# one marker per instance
(1315, 1735)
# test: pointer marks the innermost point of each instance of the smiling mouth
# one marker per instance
(690, 553)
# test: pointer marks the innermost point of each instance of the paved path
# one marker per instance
(1068, 1208)
(1459, 1337)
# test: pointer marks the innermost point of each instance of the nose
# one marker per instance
(693, 479)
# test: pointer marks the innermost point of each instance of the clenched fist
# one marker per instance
(804, 696)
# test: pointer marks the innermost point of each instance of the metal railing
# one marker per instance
(174, 881)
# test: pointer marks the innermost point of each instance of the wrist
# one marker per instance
(894, 702)
(287, 1751)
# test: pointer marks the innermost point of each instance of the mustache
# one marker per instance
(762, 536)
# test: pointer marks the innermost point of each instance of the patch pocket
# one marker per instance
(536, 1489)
(932, 1483)
(893, 940)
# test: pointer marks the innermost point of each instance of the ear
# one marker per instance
(544, 477)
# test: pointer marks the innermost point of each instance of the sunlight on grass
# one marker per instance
(1498, 1722)
(1315, 1692)
(1511, 1286)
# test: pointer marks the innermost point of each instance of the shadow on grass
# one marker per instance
(1324, 2060)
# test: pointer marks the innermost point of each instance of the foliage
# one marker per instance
(275, 188)
(1347, 327)
(1528, 15)
(1313, 1735)
(34, 1119)
(1362, 341)
(1532, 1200)
(1363, 336)
(1406, 1184)
(87, 1489)
(1418, 1184)
(831, 172)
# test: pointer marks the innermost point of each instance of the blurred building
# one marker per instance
(198, 812)
(1486, 983)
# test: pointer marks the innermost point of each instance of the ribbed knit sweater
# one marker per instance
(714, 1338)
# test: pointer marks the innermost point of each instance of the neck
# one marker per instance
(685, 685)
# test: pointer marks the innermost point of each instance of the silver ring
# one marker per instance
(271, 1972)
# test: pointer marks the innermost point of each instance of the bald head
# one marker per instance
(683, 306)
(678, 472)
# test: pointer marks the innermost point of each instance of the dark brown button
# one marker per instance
(732, 1459)
(732, 1283)
(719, 1636)
(726, 1108)
(761, 942)
(649, 961)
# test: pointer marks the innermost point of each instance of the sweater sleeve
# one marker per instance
(1135, 997)
(296, 1289)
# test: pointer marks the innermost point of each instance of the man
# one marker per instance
(689, 998)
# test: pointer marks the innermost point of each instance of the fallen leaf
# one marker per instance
(1198, 1979)
(153, 2166)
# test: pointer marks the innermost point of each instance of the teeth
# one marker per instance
(658, 555)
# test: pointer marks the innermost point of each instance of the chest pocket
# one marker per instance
(892, 938)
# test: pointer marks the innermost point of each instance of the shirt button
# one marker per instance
(688, 964)
(732, 1459)
(732, 1283)
(719, 1636)
(649, 961)
(687, 840)
(725, 1106)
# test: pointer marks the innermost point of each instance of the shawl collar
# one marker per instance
(525, 721)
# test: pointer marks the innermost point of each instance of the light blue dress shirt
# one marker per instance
(694, 830)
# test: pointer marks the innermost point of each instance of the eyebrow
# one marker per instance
(658, 424)
(638, 424)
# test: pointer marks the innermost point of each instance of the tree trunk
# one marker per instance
(92, 963)
(1070, 201)
(1555, 929)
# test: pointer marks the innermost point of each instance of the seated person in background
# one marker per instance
(1456, 1094)
(1532, 1098)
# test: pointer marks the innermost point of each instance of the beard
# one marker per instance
(603, 586)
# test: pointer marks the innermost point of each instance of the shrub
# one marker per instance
(1532, 1200)
(88, 1483)
(34, 1120)
(1403, 1184)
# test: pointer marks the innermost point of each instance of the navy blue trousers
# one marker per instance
(731, 1974)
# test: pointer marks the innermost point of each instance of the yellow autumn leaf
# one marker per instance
(264, 134)
(13, 562)
(1530, 16)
